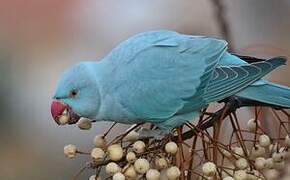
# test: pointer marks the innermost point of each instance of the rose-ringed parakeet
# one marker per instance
(164, 78)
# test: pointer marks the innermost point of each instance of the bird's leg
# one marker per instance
(157, 133)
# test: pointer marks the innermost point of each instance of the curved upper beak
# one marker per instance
(63, 113)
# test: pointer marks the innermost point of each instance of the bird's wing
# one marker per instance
(229, 80)
(157, 81)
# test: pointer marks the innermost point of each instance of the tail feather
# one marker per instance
(269, 93)
(230, 80)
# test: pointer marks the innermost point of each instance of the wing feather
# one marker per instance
(237, 78)
(164, 77)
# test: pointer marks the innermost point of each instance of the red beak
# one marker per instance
(63, 113)
(57, 108)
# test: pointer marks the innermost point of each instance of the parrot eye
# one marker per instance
(73, 93)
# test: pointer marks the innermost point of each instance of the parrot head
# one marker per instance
(76, 95)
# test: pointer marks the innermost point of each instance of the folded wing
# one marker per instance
(164, 78)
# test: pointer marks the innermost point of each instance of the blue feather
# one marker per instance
(166, 78)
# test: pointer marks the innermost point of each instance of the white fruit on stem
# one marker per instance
(161, 163)
(260, 163)
(269, 164)
(131, 136)
(238, 152)
(228, 178)
(286, 153)
(287, 141)
(141, 165)
(130, 172)
(152, 174)
(84, 123)
(273, 148)
(93, 177)
(70, 151)
(171, 148)
(240, 175)
(277, 157)
(252, 125)
(258, 151)
(63, 119)
(279, 165)
(209, 169)
(253, 175)
(131, 157)
(119, 176)
(97, 154)
(112, 168)
(271, 174)
(100, 141)
(115, 152)
(139, 147)
(173, 173)
(264, 140)
(242, 163)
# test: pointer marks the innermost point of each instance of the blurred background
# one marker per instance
(40, 38)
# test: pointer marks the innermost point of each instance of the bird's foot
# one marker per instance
(157, 134)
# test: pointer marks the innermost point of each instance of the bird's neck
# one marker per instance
(110, 108)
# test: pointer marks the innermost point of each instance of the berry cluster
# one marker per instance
(131, 158)
(250, 153)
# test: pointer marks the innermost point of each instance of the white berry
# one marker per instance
(141, 166)
(152, 174)
(97, 154)
(100, 141)
(130, 172)
(171, 148)
(173, 173)
(252, 125)
(279, 165)
(253, 175)
(84, 123)
(260, 163)
(257, 151)
(228, 178)
(119, 176)
(70, 151)
(277, 157)
(271, 174)
(273, 147)
(93, 177)
(112, 168)
(131, 157)
(241, 163)
(209, 169)
(238, 152)
(139, 147)
(287, 141)
(264, 140)
(161, 163)
(240, 175)
(269, 163)
(63, 119)
(115, 152)
(131, 136)
(286, 153)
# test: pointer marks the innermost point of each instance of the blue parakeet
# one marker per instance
(164, 78)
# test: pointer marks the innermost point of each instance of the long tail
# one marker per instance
(269, 93)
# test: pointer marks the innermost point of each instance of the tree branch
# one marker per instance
(231, 105)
